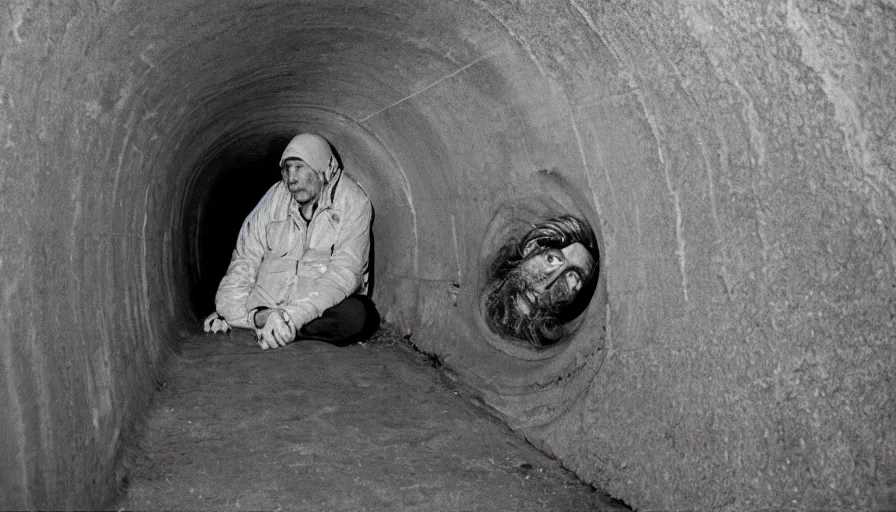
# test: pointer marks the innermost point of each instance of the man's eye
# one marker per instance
(553, 260)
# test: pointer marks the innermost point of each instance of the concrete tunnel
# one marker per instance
(735, 159)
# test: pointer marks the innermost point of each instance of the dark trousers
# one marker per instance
(352, 320)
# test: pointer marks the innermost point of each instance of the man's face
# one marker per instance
(552, 278)
(303, 182)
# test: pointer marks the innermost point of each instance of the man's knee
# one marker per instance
(350, 321)
(360, 312)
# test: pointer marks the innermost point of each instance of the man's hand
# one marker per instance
(277, 331)
(261, 317)
(215, 323)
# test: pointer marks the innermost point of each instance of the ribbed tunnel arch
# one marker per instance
(734, 160)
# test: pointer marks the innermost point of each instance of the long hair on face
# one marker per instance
(505, 280)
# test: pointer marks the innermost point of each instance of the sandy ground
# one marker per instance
(374, 426)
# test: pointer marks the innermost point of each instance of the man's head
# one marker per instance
(534, 284)
(306, 166)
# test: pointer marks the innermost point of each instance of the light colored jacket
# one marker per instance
(280, 261)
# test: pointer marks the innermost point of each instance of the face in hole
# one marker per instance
(553, 277)
(303, 182)
(536, 283)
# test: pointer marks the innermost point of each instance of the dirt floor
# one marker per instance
(374, 426)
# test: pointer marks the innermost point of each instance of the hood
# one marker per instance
(315, 151)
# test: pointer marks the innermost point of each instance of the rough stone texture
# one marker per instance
(737, 159)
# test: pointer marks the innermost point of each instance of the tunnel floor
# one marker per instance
(374, 426)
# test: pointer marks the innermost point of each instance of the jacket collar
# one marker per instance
(328, 194)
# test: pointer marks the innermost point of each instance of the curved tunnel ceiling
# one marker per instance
(735, 160)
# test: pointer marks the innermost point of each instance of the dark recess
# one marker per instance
(236, 178)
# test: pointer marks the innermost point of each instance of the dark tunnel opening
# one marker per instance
(228, 186)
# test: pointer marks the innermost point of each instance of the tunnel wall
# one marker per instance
(743, 179)
(779, 367)
(736, 161)
(87, 281)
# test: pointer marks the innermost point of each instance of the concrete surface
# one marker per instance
(736, 159)
(375, 426)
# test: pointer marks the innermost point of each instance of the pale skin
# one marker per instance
(562, 273)
(273, 326)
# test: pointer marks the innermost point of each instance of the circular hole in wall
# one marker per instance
(533, 384)
(539, 267)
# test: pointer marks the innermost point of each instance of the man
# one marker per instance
(299, 268)
(537, 284)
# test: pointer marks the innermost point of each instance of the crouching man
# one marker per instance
(299, 269)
